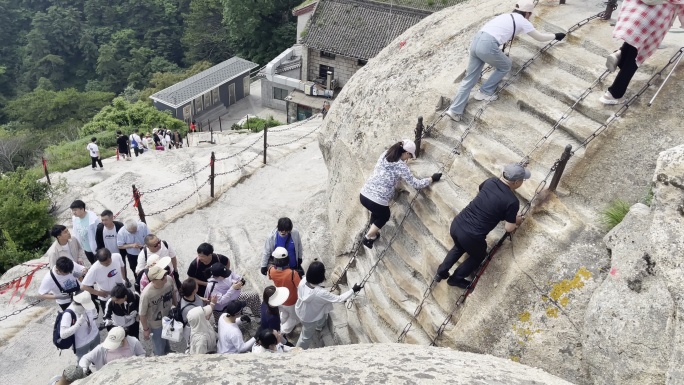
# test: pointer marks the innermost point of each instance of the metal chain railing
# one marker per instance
(122, 209)
(259, 138)
(176, 182)
(354, 250)
(180, 202)
(294, 125)
(32, 304)
(526, 159)
(382, 255)
(629, 102)
(239, 167)
(478, 114)
(297, 139)
(14, 280)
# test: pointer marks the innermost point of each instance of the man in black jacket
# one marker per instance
(105, 235)
(122, 310)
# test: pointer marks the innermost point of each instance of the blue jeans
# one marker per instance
(160, 346)
(483, 49)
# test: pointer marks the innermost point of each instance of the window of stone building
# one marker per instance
(328, 55)
(361, 62)
(215, 98)
(279, 93)
(323, 71)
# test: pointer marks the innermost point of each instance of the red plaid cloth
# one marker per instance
(644, 26)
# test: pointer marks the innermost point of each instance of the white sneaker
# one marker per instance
(479, 95)
(607, 98)
(612, 60)
(454, 117)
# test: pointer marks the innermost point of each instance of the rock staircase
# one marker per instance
(508, 129)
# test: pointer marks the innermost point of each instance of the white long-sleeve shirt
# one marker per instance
(230, 338)
(314, 304)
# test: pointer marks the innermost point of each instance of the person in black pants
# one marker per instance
(121, 309)
(495, 202)
(625, 59)
(380, 187)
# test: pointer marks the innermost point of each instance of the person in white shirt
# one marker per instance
(94, 153)
(132, 238)
(229, 334)
(116, 346)
(136, 143)
(485, 49)
(84, 328)
(84, 223)
(64, 246)
(106, 273)
(314, 302)
(61, 283)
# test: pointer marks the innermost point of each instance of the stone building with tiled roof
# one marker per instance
(216, 87)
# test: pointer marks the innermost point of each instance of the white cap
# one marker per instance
(155, 260)
(409, 147)
(279, 253)
(83, 299)
(114, 338)
(279, 297)
(524, 6)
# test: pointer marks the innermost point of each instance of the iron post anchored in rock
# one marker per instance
(212, 176)
(560, 168)
(419, 134)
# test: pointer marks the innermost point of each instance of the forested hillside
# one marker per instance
(74, 69)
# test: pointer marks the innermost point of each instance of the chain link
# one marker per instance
(36, 302)
(416, 312)
(10, 283)
(353, 252)
(122, 209)
(295, 125)
(629, 102)
(382, 255)
(181, 201)
(241, 151)
(239, 167)
(176, 182)
(297, 139)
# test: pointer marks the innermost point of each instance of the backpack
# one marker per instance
(64, 343)
(176, 313)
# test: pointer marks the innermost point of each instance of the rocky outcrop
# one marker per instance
(532, 303)
(358, 364)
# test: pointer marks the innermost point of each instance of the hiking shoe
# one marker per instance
(368, 242)
(454, 117)
(460, 283)
(607, 98)
(612, 60)
(479, 95)
(438, 278)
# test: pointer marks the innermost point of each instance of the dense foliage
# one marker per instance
(24, 218)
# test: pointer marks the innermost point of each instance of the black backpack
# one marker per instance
(176, 312)
(64, 343)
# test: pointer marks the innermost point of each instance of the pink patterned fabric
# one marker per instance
(644, 26)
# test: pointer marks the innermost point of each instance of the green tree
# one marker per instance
(52, 110)
(24, 217)
(205, 37)
(259, 30)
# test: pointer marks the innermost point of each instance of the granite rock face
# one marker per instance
(351, 364)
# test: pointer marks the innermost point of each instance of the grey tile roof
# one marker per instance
(357, 28)
(426, 5)
(182, 92)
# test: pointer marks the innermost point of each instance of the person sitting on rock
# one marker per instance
(269, 341)
(284, 277)
(116, 346)
(284, 235)
(202, 334)
(228, 287)
(379, 188)
(64, 246)
(494, 202)
(314, 302)
(230, 339)
(122, 310)
(83, 327)
(485, 49)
